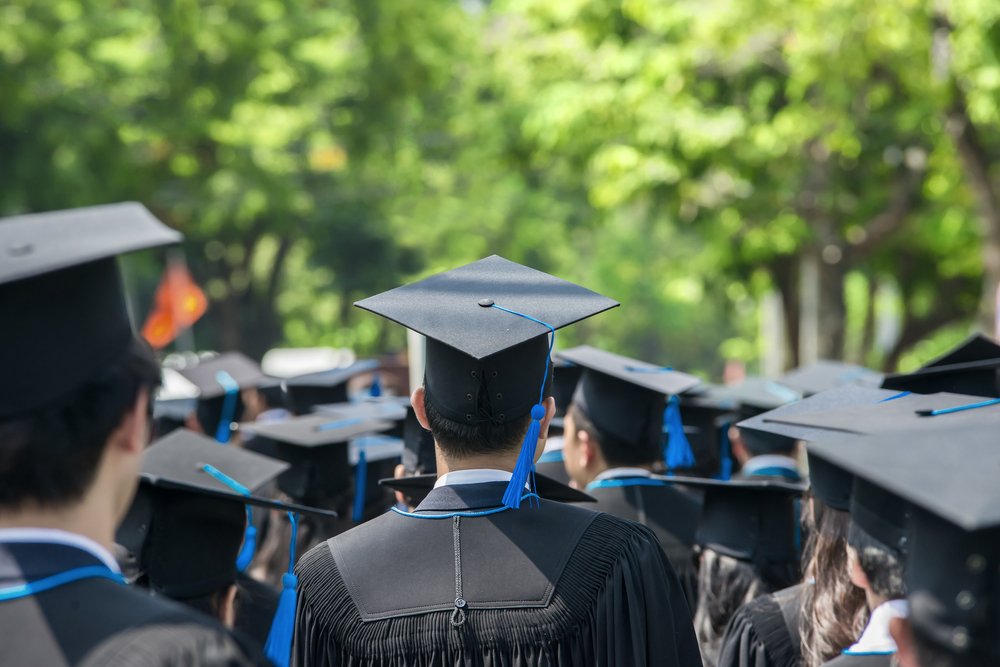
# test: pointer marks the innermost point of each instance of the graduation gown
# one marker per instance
(98, 621)
(670, 511)
(875, 647)
(548, 584)
(256, 603)
(765, 632)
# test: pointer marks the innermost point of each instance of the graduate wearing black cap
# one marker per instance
(483, 571)
(953, 536)
(766, 632)
(613, 442)
(73, 426)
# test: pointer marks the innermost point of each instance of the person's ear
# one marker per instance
(902, 634)
(585, 450)
(854, 571)
(419, 409)
(132, 433)
(550, 413)
(227, 606)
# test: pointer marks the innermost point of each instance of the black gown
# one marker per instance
(765, 632)
(550, 584)
(100, 622)
(669, 511)
(256, 603)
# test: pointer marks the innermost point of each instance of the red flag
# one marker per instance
(178, 304)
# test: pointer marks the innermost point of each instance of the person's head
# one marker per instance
(724, 585)
(835, 611)
(54, 454)
(589, 450)
(877, 542)
(74, 410)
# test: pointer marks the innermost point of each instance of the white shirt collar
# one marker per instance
(615, 473)
(56, 536)
(876, 640)
(473, 476)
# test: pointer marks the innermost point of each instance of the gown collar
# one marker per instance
(876, 640)
(52, 536)
(460, 497)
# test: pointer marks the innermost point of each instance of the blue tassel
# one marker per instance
(525, 460)
(678, 452)
(360, 481)
(725, 453)
(376, 388)
(249, 544)
(223, 431)
(279, 641)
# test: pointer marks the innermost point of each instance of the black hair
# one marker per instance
(49, 454)
(880, 564)
(460, 440)
(616, 452)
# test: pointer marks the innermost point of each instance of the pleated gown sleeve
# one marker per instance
(764, 632)
(615, 602)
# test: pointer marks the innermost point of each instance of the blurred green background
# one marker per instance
(761, 181)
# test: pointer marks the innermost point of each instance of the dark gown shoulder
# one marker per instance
(765, 632)
(551, 584)
(861, 660)
(99, 622)
(256, 603)
(671, 512)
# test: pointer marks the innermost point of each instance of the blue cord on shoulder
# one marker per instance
(464, 515)
(60, 579)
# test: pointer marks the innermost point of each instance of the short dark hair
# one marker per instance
(616, 451)
(49, 455)
(469, 439)
(880, 564)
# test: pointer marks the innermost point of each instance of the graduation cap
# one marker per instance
(751, 520)
(488, 346)
(316, 446)
(825, 374)
(953, 562)
(323, 387)
(186, 524)
(970, 368)
(830, 483)
(62, 293)
(565, 376)
(628, 399)
(418, 486)
(220, 380)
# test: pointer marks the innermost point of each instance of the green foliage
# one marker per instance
(681, 156)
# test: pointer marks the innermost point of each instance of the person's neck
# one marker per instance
(87, 517)
(479, 462)
(874, 601)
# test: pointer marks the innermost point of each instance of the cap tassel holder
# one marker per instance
(279, 640)
(525, 466)
(249, 548)
(376, 389)
(677, 454)
(224, 430)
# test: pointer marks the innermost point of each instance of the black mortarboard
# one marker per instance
(753, 395)
(417, 487)
(825, 374)
(906, 411)
(750, 520)
(305, 392)
(316, 446)
(970, 368)
(220, 380)
(625, 397)
(186, 525)
(830, 483)
(953, 563)
(487, 356)
(60, 286)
